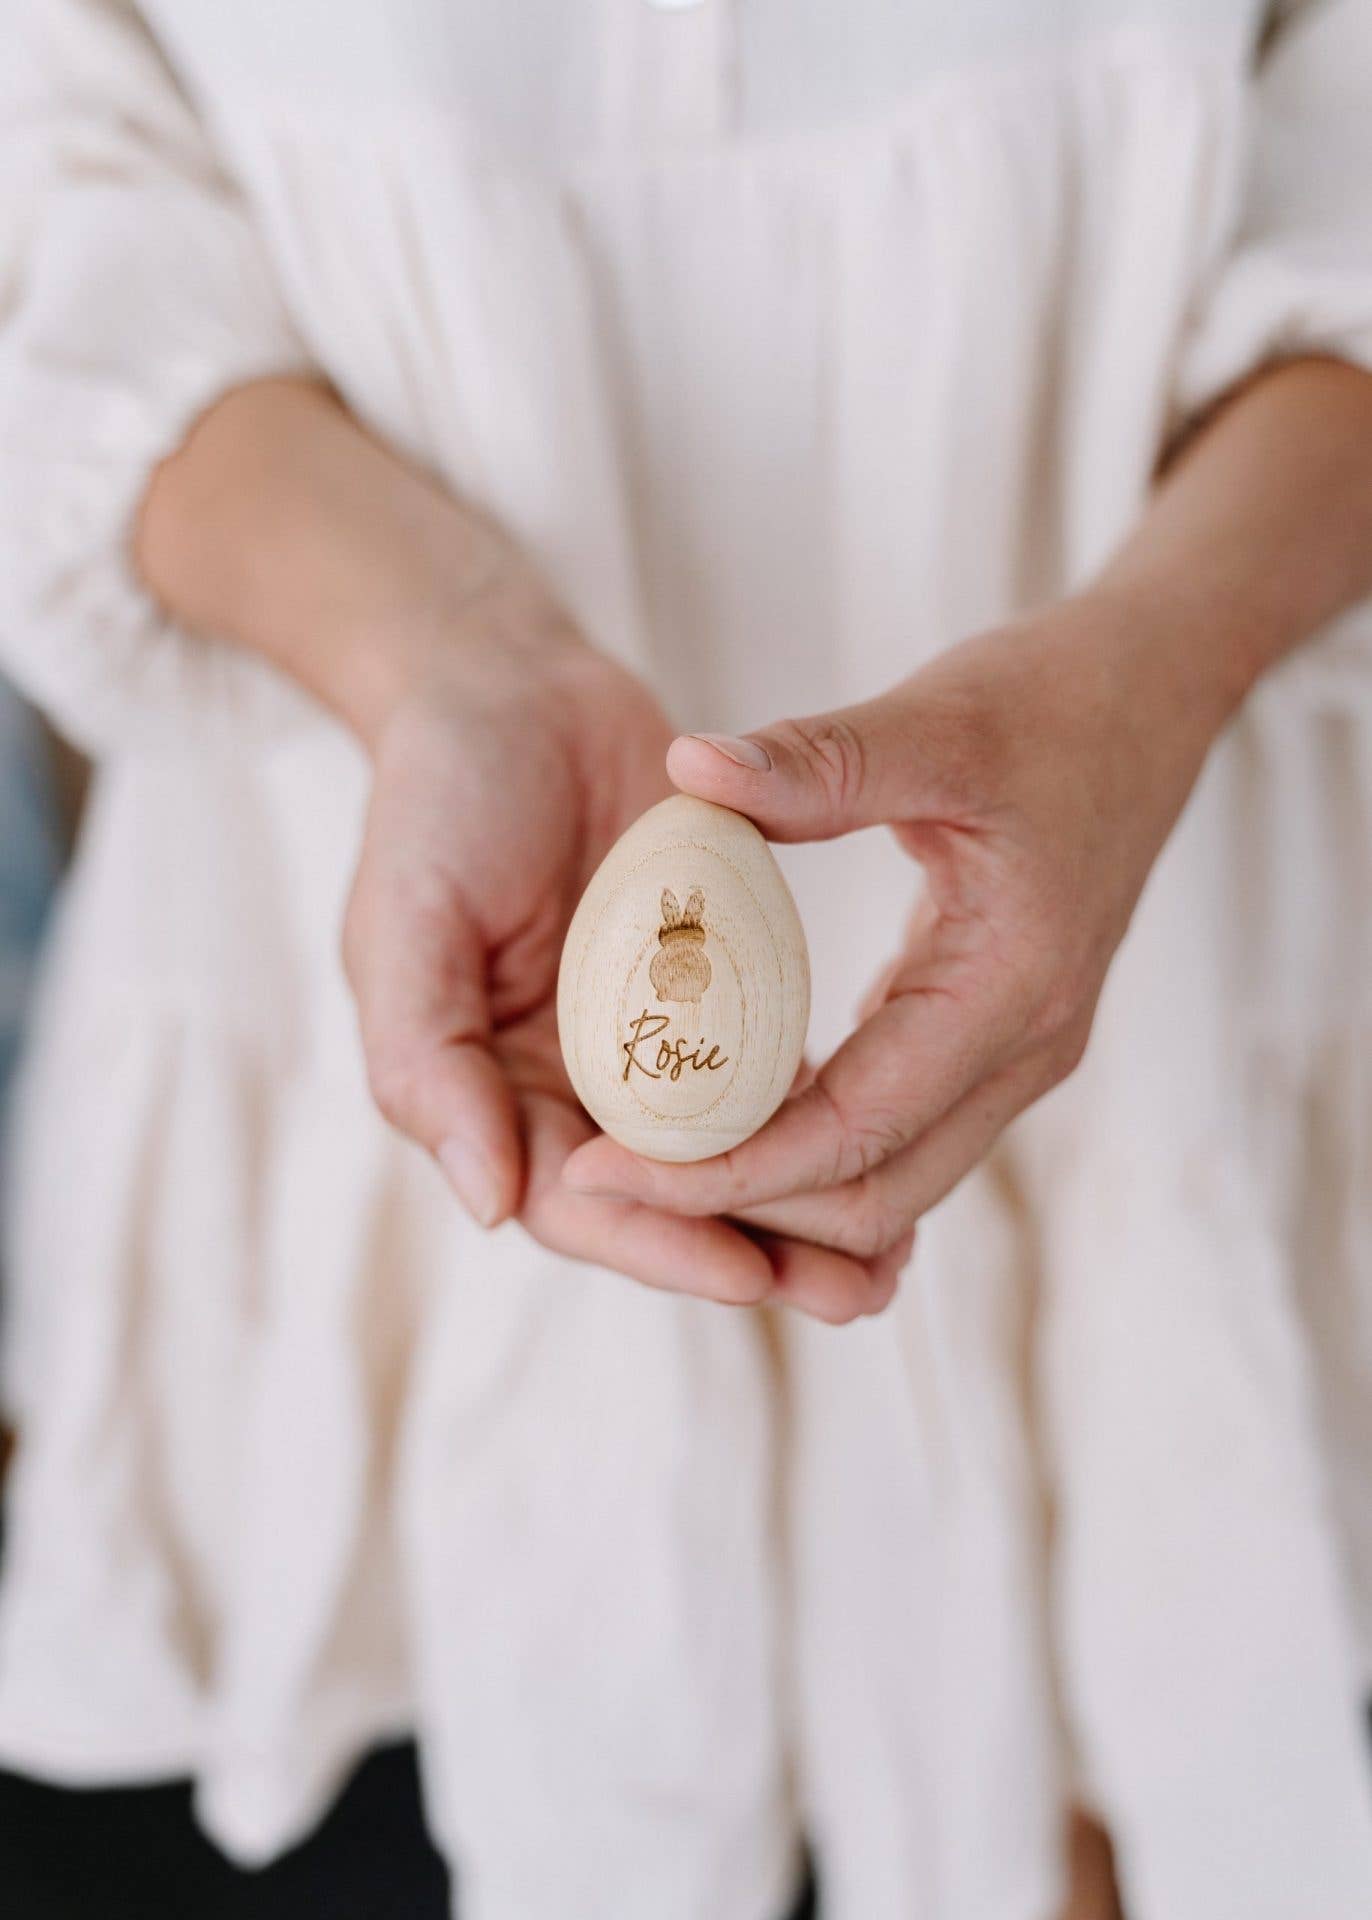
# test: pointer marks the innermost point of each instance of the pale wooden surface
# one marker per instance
(684, 992)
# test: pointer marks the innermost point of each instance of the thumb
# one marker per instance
(814, 778)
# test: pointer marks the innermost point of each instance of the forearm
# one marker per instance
(282, 526)
(1259, 533)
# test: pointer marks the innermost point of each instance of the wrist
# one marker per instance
(407, 590)
(1175, 653)
(474, 633)
(1123, 699)
(281, 526)
(1187, 634)
(1257, 534)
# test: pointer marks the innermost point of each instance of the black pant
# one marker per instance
(135, 1853)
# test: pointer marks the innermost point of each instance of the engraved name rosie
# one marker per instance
(671, 1058)
(681, 973)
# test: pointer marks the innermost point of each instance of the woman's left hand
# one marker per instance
(1034, 773)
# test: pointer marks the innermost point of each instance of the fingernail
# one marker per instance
(744, 753)
(470, 1176)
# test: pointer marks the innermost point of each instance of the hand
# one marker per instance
(502, 777)
(1034, 773)
(508, 757)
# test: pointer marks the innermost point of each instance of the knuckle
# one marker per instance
(832, 752)
(837, 1310)
(860, 1144)
(876, 1139)
(1056, 994)
(392, 1078)
(728, 1187)
(889, 1273)
(866, 1239)
(883, 1293)
(873, 1222)
(1070, 1050)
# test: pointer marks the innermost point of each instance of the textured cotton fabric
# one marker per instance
(794, 342)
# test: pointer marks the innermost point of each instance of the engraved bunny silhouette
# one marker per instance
(680, 968)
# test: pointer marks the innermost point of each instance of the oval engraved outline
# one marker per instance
(691, 846)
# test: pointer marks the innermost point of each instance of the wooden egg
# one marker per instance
(684, 992)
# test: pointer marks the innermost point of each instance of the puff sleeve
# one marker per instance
(1297, 278)
(134, 290)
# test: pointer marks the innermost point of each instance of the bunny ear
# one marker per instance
(695, 907)
(671, 912)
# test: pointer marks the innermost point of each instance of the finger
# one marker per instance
(419, 980)
(828, 1286)
(890, 1081)
(708, 1258)
(830, 773)
(921, 929)
(865, 1216)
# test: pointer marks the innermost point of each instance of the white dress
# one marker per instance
(795, 339)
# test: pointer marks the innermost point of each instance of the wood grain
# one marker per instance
(684, 991)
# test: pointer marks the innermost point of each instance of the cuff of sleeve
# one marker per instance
(1269, 307)
(78, 631)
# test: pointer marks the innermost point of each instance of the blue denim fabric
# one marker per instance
(29, 859)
